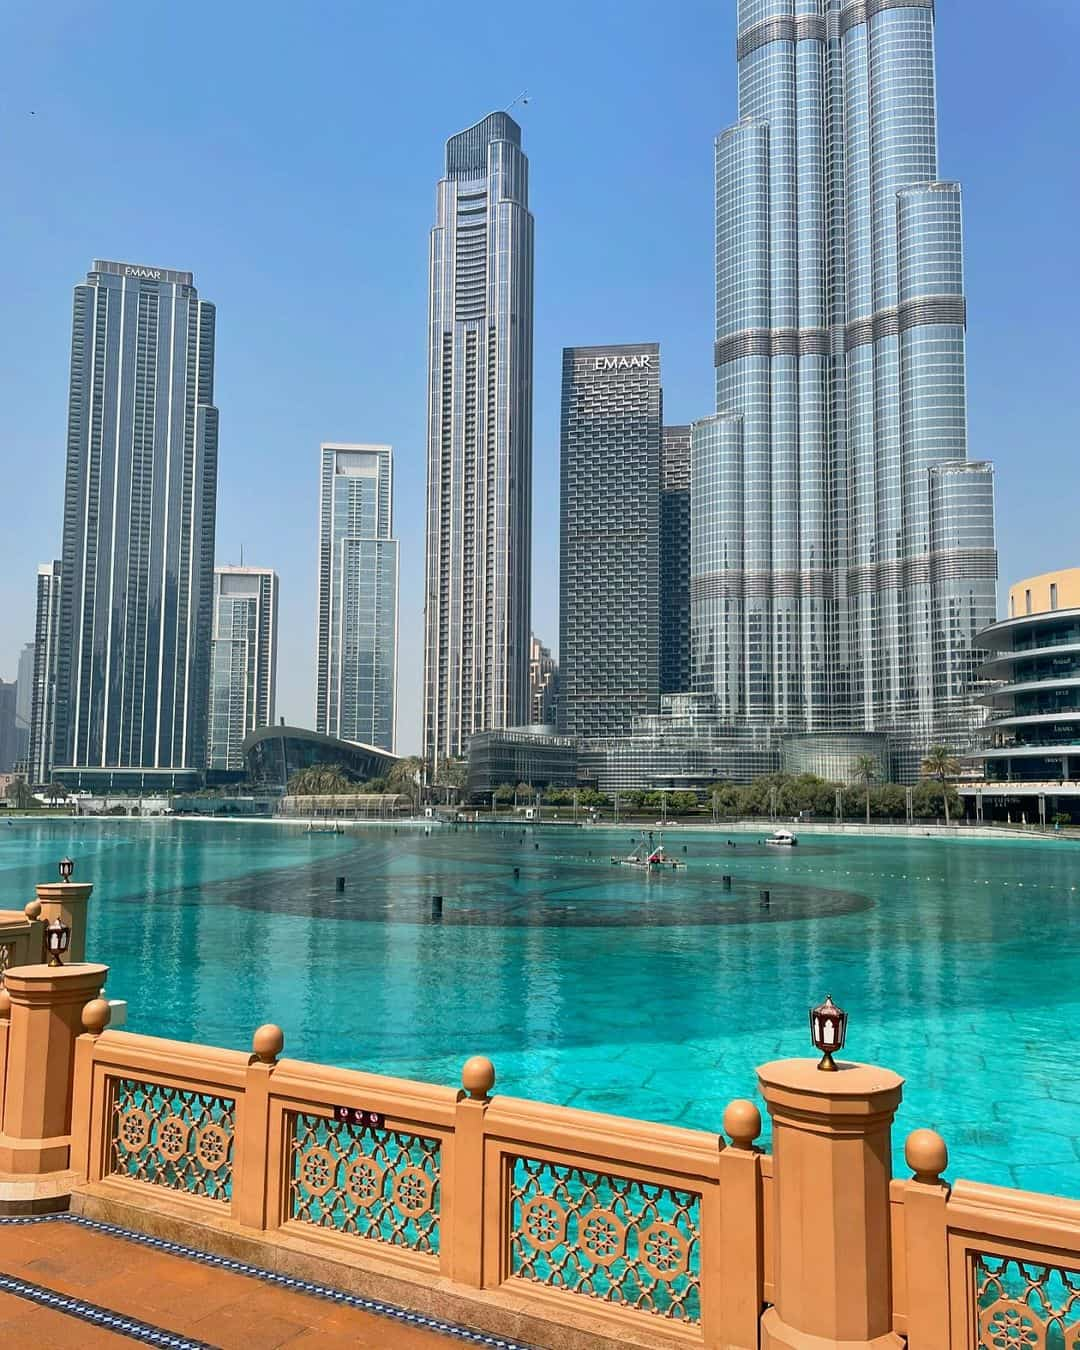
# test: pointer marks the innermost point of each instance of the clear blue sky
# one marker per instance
(287, 155)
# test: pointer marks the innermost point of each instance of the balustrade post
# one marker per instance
(733, 1269)
(252, 1190)
(463, 1253)
(5, 1028)
(926, 1244)
(94, 1018)
(831, 1173)
(66, 901)
(45, 1019)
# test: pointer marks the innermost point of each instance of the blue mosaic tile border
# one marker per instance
(99, 1317)
(170, 1339)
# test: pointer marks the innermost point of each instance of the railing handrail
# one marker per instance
(426, 1104)
(619, 1140)
(209, 1065)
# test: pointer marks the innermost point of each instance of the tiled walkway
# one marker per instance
(69, 1282)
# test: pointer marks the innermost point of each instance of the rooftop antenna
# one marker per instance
(522, 98)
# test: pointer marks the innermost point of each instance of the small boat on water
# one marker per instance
(782, 839)
(323, 829)
(648, 857)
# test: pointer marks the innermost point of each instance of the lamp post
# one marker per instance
(57, 941)
(828, 1030)
(65, 867)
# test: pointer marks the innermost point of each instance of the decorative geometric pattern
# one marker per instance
(1025, 1305)
(374, 1183)
(609, 1237)
(371, 1305)
(173, 1137)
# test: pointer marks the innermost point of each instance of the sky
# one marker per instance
(288, 154)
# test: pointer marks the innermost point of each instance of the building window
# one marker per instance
(1053, 595)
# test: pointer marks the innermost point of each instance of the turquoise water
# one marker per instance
(598, 987)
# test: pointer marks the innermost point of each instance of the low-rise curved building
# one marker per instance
(1033, 730)
(273, 754)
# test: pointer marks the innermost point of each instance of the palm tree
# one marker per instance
(942, 764)
(55, 792)
(19, 794)
(866, 770)
(320, 780)
(404, 777)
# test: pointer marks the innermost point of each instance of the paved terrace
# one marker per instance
(66, 1281)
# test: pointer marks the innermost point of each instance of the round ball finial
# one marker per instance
(5, 1004)
(478, 1077)
(926, 1155)
(742, 1123)
(33, 909)
(95, 1016)
(268, 1042)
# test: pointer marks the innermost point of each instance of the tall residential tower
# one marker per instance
(476, 602)
(243, 661)
(609, 547)
(133, 648)
(356, 658)
(844, 551)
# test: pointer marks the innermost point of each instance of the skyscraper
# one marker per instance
(9, 741)
(356, 677)
(609, 549)
(43, 696)
(133, 650)
(24, 704)
(243, 660)
(543, 684)
(476, 603)
(675, 670)
(844, 546)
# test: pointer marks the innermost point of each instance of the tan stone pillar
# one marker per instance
(464, 1255)
(66, 901)
(831, 1173)
(45, 1017)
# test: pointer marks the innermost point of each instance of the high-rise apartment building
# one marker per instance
(133, 650)
(844, 551)
(243, 660)
(476, 602)
(356, 659)
(24, 704)
(675, 668)
(9, 745)
(543, 684)
(609, 548)
(43, 695)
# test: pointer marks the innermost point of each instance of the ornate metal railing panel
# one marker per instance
(608, 1237)
(1025, 1305)
(173, 1137)
(375, 1183)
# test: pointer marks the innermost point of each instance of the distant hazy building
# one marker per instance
(24, 705)
(8, 738)
(133, 648)
(356, 675)
(543, 684)
(846, 558)
(479, 480)
(43, 693)
(675, 669)
(243, 662)
(609, 547)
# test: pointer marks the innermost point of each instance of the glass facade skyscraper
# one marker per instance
(843, 550)
(356, 676)
(243, 660)
(609, 548)
(476, 601)
(675, 669)
(43, 695)
(133, 648)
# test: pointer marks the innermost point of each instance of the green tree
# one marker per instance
(523, 792)
(451, 775)
(940, 763)
(683, 803)
(866, 771)
(320, 780)
(404, 777)
(504, 792)
(19, 794)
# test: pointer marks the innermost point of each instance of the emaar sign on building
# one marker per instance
(639, 362)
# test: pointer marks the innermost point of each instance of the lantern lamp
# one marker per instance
(57, 940)
(828, 1030)
(65, 867)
